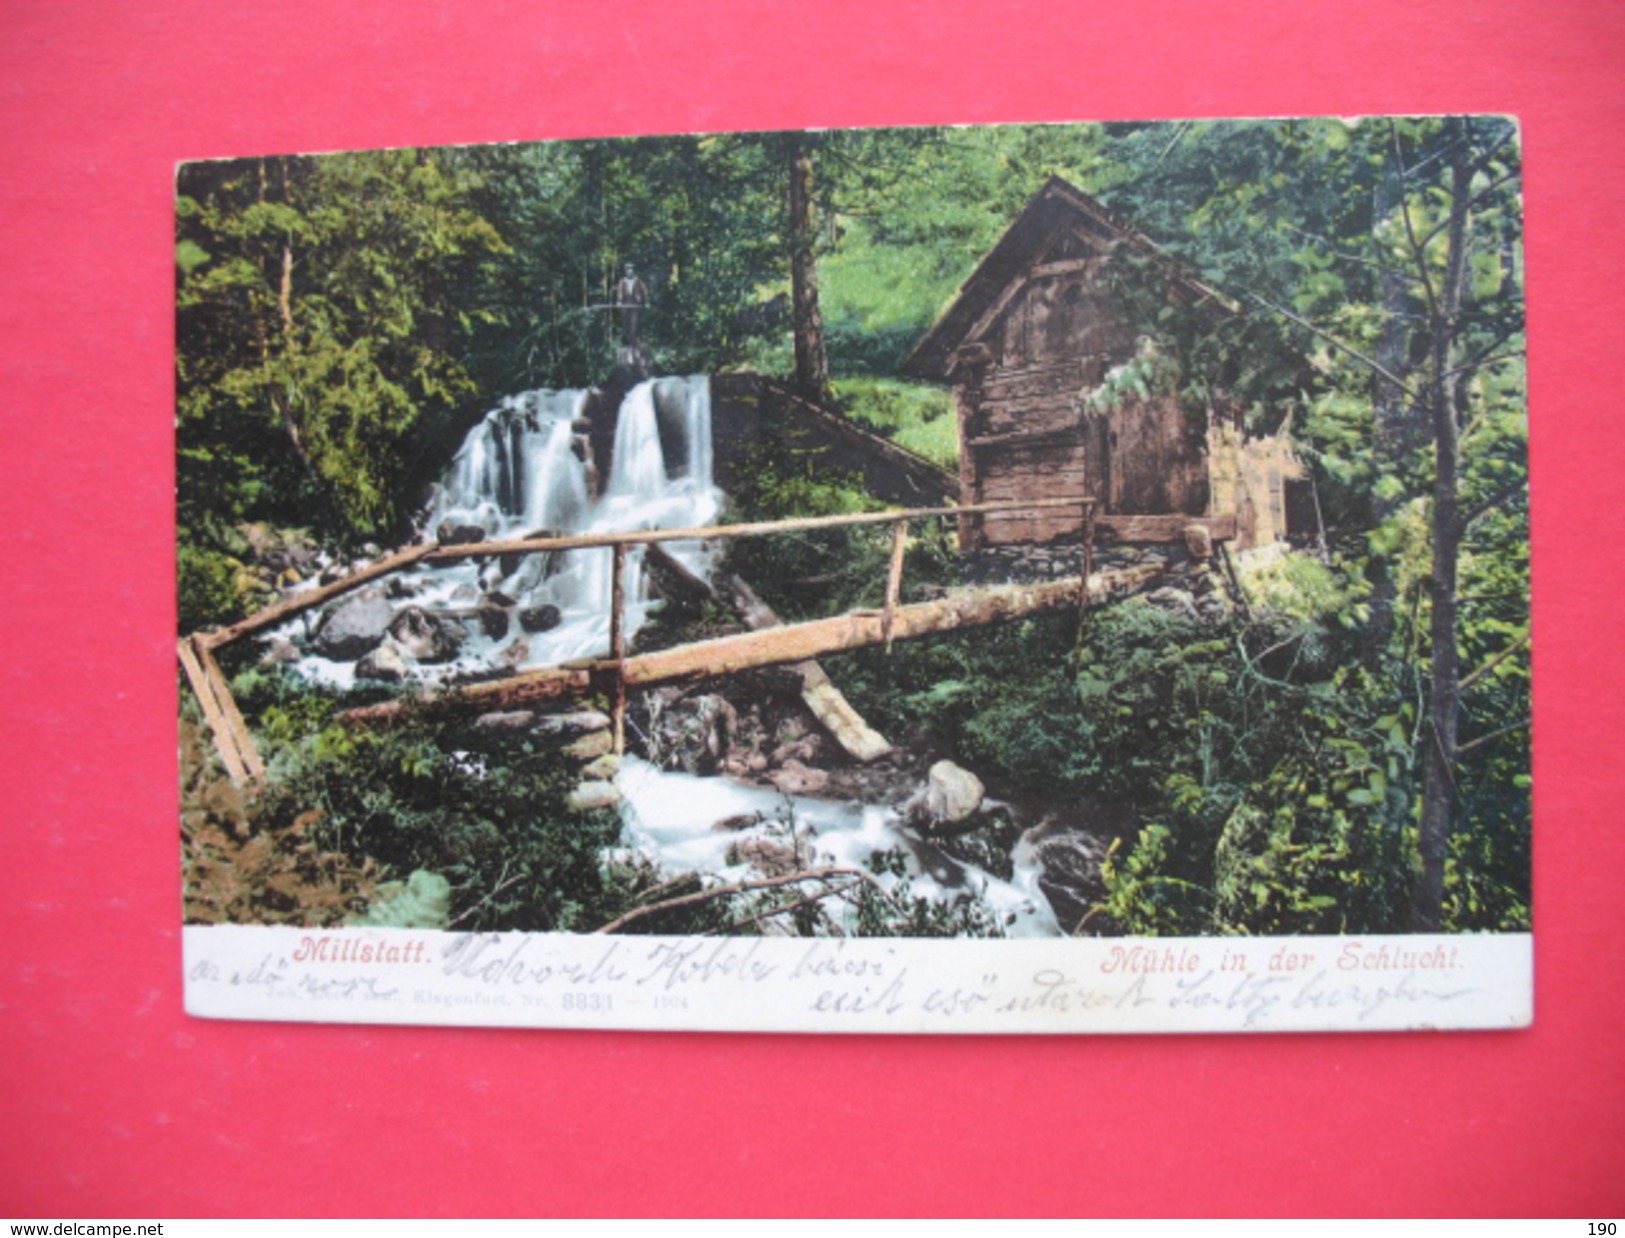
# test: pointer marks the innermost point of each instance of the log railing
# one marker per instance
(616, 673)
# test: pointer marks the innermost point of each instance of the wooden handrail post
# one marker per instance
(1087, 564)
(894, 579)
(231, 737)
(1088, 542)
(617, 644)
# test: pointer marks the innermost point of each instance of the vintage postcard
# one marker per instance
(1042, 578)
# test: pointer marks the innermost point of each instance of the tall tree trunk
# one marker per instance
(1399, 429)
(812, 362)
(1444, 690)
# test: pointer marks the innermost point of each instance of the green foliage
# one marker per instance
(816, 571)
(341, 320)
(423, 901)
(316, 334)
(1000, 698)
(912, 415)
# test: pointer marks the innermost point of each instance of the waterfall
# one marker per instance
(523, 471)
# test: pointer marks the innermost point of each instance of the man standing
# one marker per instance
(631, 295)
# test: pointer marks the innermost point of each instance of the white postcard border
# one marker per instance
(867, 985)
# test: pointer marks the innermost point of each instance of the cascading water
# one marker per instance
(525, 471)
(671, 818)
(521, 472)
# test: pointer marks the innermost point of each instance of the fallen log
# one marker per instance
(773, 646)
(827, 703)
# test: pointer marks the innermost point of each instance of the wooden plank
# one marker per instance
(1124, 528)
(672, 575)
(232, 738)
(818, 692)
(894, 578)
(224, 741)
(539, 687)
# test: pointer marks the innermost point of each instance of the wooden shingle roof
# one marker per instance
(1058, 208)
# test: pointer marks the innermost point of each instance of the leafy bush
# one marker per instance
(244, 864)
(913, 415)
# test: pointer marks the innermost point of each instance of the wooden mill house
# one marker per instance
(1037, 328)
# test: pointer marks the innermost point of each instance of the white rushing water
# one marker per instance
(672, 819)
(521, 471)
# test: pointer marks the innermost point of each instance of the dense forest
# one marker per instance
(1348, 753)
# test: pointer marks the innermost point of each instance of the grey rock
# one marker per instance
(593, 795)
(1067, 862)
(493, 622)
(540, 618)
(450, 533)
(952, 793)
(509, 720)
(386, 663)
(355, 626)
(425, 636)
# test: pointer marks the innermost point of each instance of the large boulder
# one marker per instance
(540, 618)
(1066, 863)
(355, 626)
(952, 794)
(386, 663)
(577, 722)
(451, 533)
(426, 637)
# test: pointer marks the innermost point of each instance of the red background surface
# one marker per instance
(118, 1104)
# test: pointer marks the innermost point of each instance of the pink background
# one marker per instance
(118, 1104)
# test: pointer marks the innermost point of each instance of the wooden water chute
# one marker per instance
(767, 644)
(1036, 327)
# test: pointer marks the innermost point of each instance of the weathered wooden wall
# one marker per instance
(1022, 432)
(1249, 477)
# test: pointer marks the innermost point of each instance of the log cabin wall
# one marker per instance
(1023, 432)
(1032, 332)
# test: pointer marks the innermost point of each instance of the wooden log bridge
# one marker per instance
(790, 643)
(768, 646)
